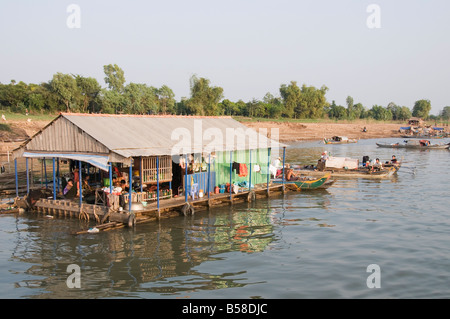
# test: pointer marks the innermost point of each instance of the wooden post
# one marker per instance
(28, 176)
(250, 171)
(157, 184)
(58, 173)
(54, 179)
(17, 178)
(110, 178)
(185, 179)
(284, 159)
(141, 178)
(130, 184)
(209, 175)
(80, 179)
(231, 173)
(45, 172)
(269, 150)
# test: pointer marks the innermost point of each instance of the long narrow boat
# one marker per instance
(387, 172)
(305, 184)
(339, 140)
(415, 144)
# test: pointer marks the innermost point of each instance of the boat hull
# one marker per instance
(416, 147)
(322, 182)
(358, 173)
(325, 141)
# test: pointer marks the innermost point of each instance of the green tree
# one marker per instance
(114, 77)
(35, 99)
(421, 108)
(304, 102)
(13, 95)
(380, 113)
(65, 87)
(359, 111)
(166, 99)
(395, 110)
(140, 99)
(242, 108)
(445, 113)
(256, 108)
(312, 102)
(274, 106)
(111, 102)
(204, 98)
(404, 113)
(337, 112)
(89, 89)
(351, 115)
(291, 97)
(228, 107)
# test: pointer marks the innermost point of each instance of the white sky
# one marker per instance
(248, 47)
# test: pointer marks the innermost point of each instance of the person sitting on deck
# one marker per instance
(291, 175)
(69, 191)
(86, 187)
(124, 186)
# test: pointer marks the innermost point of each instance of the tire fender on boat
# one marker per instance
(251, 196)
(187, 210)
(131, 220)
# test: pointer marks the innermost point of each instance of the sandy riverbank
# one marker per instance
(288, 131)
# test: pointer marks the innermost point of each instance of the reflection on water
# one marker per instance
(124, 260)
(301, 245)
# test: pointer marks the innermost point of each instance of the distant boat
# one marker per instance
(305, 183)
(339, 140)
(342, 167)
(414, 144)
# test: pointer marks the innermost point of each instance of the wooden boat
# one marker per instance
(339, 140)
(307, 184)
(415, 144)
(387, 172)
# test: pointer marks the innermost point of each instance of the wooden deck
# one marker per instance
(106, 219)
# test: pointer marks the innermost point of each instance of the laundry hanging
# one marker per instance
(236, 167)
(243, 170)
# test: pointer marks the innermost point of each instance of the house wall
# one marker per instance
(222, 166)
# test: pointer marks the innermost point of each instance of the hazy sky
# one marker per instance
(247, 47)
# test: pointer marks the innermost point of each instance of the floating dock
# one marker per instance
(107, 219)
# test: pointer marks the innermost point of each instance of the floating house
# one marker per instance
(158, 157)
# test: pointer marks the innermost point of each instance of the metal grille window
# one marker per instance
(149, 169)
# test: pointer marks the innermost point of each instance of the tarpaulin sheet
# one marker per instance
(95, 160)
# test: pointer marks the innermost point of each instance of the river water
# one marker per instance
(315, 244)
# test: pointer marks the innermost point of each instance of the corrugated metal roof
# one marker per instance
(133, 136)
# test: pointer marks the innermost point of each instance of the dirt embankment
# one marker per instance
(290, 132)
(17, 133)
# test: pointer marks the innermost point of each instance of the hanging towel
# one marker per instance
(236, 167)
(242, 170)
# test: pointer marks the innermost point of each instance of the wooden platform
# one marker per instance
(106, 218)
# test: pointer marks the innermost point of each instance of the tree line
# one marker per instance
(76, 93)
